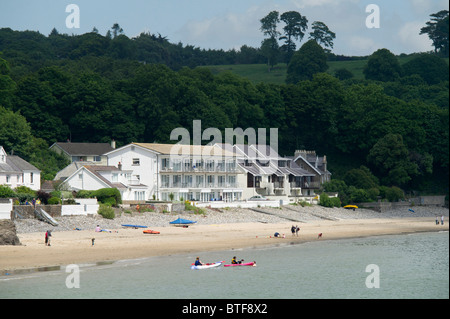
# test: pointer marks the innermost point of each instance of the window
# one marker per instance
(177, 181)
(231, 181)
(165, 181)
(136, 162)
(165, 162)
(115, 178)
(210, 180)
(139, 195)
(31, 178)
(97, 158)
(199, 181)
(8, 179)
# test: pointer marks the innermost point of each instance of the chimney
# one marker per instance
(113, 144)
(119, 166)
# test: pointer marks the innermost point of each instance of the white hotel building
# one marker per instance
(192, 172)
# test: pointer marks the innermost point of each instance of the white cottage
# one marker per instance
(15, 172)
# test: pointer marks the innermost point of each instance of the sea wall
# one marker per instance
(382, 207)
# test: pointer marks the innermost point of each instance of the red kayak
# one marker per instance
(253, 263)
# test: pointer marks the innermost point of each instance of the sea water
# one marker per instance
(398, 266)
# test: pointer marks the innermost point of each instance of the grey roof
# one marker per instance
(15, 164)
(84, 149)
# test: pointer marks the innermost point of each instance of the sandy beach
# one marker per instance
(209, 234)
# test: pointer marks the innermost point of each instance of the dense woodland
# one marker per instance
(391, 128)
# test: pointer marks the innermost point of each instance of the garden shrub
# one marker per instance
(54, 201)
(106, 212)
(107, 195)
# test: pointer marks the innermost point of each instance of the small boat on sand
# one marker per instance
(149, 231)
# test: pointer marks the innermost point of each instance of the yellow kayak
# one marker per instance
(350, 206)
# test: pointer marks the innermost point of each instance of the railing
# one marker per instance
(218, 169)
(199, 185)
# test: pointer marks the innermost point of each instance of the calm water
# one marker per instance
(410, 266)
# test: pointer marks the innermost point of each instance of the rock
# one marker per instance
(8, 234)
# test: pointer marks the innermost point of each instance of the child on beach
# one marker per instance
(48, 234)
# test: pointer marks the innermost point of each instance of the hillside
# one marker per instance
(257, 73)
(90, 88)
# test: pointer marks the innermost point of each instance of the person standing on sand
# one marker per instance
(437, 220)
(48, 234)
(293, 229)
(297, 230)
(442, 220)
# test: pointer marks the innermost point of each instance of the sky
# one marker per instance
(219, 24)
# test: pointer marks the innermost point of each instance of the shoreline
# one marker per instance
(75, 247)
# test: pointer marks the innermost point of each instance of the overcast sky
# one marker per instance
(219, 24)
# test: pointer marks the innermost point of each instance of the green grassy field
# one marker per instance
(257, 73)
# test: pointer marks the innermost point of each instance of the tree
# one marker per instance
(116, 30)
(7, 85)
(269, 24)
(270, 49)
(361, 178)
(391, 158)
(322, 35)
(269, 46)
(306, 62)
(382, 66)
(438, 30)
(431, 68)
(15, 132)
(295, 28)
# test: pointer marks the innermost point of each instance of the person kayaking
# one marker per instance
(198, 262)
(235, 262)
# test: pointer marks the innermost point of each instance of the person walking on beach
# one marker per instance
(48, 234)
(297, 230)
(442, 220)
(293, 229)
(437, 220)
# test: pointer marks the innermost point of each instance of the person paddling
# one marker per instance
(198, 262)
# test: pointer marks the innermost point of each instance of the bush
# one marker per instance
(326, 201)
(54, 201)
(394, 194)
(109, 201)
(358, 195)
(43, 197)
(106, 212)
(189, 207)
(25, 190)
(110, 196)
(6, 192)
(84, 194)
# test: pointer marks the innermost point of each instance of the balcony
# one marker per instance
(199, 185)
(296, 185)
(278, 185)
(311, 185)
